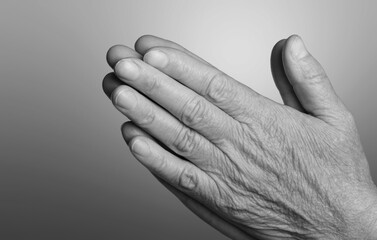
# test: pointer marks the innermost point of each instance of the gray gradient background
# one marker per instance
(65, 171)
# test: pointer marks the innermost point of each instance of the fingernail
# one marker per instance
(126, 69)
(299, 49)
(124, 99)
(156, 58)
(140, 147)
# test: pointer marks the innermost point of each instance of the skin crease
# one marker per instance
(248, 166)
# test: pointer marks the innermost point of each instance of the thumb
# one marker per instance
(310, 83)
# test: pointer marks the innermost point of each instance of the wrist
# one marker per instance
(371, 219)
(357, 215)
(364, 223)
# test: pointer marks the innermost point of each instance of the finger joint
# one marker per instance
(186, 142)
(193, 111)
(218, 89)
(152, 84)
(188, 180)
(147, 119)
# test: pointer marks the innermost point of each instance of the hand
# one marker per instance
(254, 167)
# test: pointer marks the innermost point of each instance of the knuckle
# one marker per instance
(316, 78)
(193, 111)
(152, 84)
(314, 75)
(188, 180)
(186, 141)
(147, 119)
(218, 89)
(161, 164)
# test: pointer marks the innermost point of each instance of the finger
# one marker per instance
(207, 215)
(158, 123)
(221, 90)
(130, 131)
(118, 52)
(110, 83)
(186, 105)
(114, 54)
(281, 81)
(142, 45)
(310, 82)
(146, 42)
(179, 173)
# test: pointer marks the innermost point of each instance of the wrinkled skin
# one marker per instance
(250, 167)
